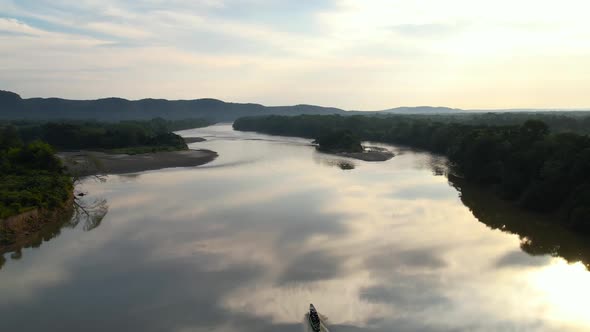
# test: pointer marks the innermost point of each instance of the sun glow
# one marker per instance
(565, 287)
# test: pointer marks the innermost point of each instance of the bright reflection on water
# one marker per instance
(246, 242)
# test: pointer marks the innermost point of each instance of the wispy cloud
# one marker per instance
(431, 30)
(119, 30)
(369, 54)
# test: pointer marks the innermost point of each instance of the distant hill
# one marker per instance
(12, 106)
(532, 110)
(422, 110)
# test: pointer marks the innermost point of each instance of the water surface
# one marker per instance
(246, 242)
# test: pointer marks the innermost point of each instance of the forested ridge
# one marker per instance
(125, 136)
(541, 171)
(13, 107)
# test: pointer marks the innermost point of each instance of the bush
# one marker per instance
(31, 177)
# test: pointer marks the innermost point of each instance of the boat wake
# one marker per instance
(307, 327)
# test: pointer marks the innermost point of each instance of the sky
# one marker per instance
(352, 54)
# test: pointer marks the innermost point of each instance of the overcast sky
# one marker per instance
(354, 54)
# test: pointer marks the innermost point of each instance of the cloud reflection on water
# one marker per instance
(388, 246)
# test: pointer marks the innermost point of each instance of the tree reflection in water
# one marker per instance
(87, 213)
(90, 215)
(539, 234)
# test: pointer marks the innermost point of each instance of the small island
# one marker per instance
(345, 143)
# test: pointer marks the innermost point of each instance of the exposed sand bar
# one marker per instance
(370, 153)
(92, 162)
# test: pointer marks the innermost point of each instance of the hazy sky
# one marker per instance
(354, 54)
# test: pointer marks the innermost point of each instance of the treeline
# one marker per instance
(558, 122)
(542, 171)
(339, 141)
(30, 177)
(126, 136)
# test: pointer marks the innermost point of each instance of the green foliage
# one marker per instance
(339, 141)
(36, 155)
(30, 176)
(9, 137)
(526, 163)
(557, 122)
(32, 189)
(134, 136)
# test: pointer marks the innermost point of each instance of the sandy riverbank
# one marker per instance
(25, 229)
(370, 153)
(93, 162)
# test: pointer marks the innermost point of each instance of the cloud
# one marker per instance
(312, 266)
(429, 30)
(25, 35)
(14, 26)
(118, 30)
(372, 54)
(521, 259)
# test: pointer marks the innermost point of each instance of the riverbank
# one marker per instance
(540, 234)
(542, 172)
(18, 230)
(83, 163)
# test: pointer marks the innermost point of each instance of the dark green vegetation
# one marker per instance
(558, 122)
(13, 107)
(539, 235)
(339, 141)
(31, 177)
(130, 137)
(541, 171)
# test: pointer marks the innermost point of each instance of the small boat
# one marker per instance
(314, 319)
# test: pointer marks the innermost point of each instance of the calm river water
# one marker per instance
(246, 242)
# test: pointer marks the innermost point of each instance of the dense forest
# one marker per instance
(558, 122)
(31, 177)
(339, 141)
(541, 171)
(125, 137)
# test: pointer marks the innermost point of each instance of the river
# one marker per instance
(246, 242)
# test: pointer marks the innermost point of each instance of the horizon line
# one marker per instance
(542, 109)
